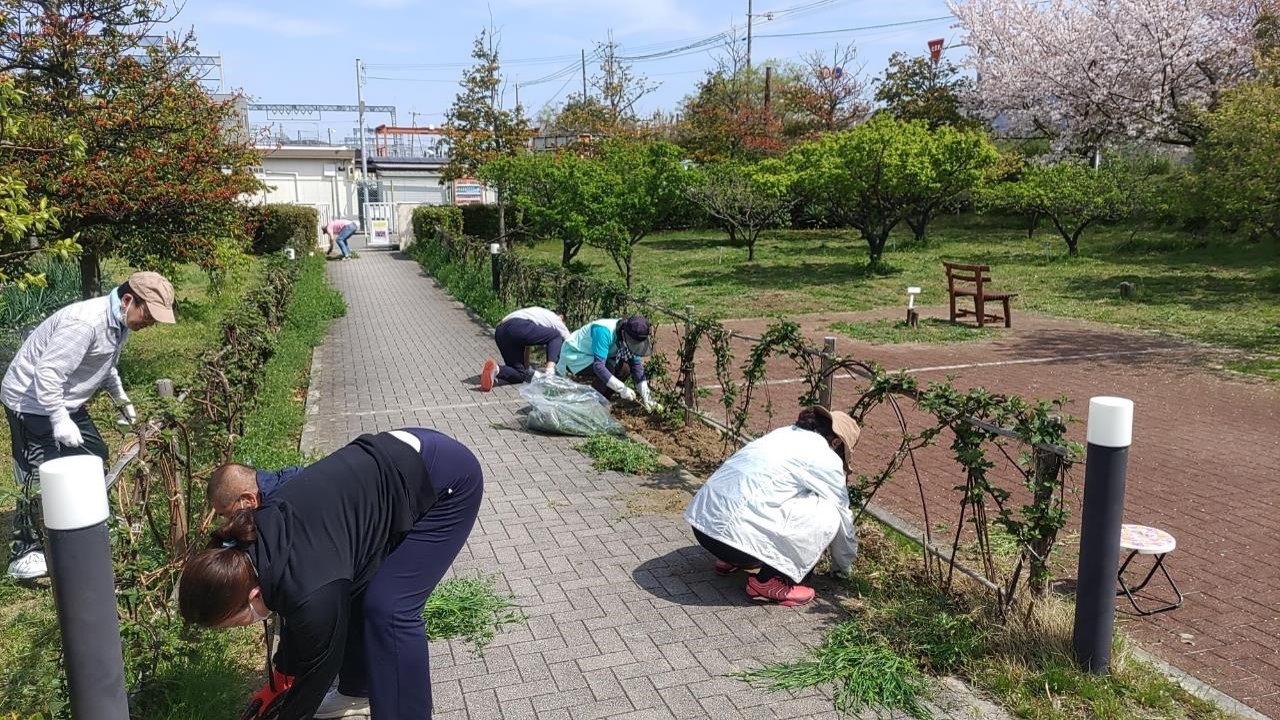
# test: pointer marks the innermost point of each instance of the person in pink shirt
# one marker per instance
(338, 231)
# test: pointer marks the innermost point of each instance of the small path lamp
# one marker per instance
(913, 316)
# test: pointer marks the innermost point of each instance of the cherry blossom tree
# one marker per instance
(1090, 73)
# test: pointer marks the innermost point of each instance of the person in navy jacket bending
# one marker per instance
(346, 554)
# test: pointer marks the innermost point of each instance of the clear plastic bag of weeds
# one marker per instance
(561, 406)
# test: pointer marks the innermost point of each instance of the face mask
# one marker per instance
(253, 613)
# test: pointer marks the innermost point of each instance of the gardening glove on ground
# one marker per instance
(65, 431)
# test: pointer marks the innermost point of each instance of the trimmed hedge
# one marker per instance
(278, 226)
(480, 221)
(427, 218)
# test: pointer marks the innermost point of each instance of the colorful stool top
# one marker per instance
(1146, 540)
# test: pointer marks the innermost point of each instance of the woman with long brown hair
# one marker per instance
(346, 555)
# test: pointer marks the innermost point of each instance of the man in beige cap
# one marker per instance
(49, 383)
(773, 507)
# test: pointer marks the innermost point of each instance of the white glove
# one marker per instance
(623, 391)
(129, 415)
(551, 368)
(645, 397)
(65, 431)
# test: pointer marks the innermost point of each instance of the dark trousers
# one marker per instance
(734, 555)
(31, 441)
(619, 369)
(514, 338)
(386, 656)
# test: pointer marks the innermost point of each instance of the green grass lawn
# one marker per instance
(1224, 292)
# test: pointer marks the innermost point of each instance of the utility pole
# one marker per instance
(768, 87)
(748, 33)
(584, 75)
(364, 155)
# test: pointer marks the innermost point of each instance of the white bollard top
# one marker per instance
(1110, 422)
(74, 492)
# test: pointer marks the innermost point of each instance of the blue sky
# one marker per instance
(304, 51)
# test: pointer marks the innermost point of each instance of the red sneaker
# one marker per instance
(487, 375)
(779, 591)
(727, 568)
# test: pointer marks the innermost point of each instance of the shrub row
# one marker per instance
(272, 427)
(278, 226)
(462, 264)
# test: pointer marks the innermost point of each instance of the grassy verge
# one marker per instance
(473, 289)
(620, 454)
(1217, 290)
(906, 630)
(273, 430)
(218, 673)
(892, 332)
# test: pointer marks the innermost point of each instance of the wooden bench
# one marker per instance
(973, 281)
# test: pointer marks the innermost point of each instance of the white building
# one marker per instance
(321, 176)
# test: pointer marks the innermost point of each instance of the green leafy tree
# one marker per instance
(480, 129)
(22, 218)
(916, 88)
(959, 160)
(745, 199)
(561, 195)
(163, 165)
(878, 174)
(646, 179)
(1070, 193)
(1236, 169)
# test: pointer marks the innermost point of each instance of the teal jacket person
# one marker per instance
(608, 352)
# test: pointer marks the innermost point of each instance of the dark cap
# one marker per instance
(635, 334)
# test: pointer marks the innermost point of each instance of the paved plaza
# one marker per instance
(626, 619)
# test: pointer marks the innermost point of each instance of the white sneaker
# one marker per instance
(29, 566)
(337, 705)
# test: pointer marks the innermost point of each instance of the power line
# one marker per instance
(863, 28)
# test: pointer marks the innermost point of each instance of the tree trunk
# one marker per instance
(751, 245)
(90, 275)
(919, 225)
(875, 247)
(568, 252)
(628, 263)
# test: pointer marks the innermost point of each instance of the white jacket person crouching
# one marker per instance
(782, 499)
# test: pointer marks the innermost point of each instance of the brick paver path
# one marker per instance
(626, 620)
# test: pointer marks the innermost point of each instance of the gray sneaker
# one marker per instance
(29, 566)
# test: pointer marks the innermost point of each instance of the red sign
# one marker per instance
(935, 49)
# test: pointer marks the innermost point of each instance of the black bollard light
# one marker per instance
(1109, 434)
(78, 549)
(495, 250)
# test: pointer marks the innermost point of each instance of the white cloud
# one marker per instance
(266, 21)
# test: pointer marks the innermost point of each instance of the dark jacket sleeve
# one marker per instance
(269, 481)
(316, 633)
(637, 369)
